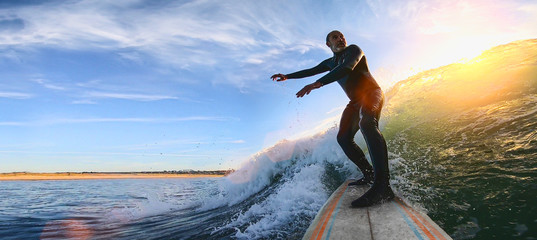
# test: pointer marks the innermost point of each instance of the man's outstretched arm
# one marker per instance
(322, 67)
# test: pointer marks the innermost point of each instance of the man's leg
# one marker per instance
(348, 127)
(370, 114)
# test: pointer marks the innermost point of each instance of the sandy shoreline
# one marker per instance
(89, 176)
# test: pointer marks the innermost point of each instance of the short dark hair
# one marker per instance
(328, 35)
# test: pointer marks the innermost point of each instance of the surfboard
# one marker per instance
(390, 220)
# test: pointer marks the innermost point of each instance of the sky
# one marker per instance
(134, 85)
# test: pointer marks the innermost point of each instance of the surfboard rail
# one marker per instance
(390, 220)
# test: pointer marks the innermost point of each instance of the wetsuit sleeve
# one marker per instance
(353, 56)
(322, 67)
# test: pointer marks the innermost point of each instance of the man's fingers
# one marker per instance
(305, 91)
(300, 93)
(278, 77)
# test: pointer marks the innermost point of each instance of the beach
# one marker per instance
(20, 176)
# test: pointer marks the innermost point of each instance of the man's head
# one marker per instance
(336, 41)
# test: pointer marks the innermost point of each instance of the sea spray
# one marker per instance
(281, 188)
(151, 204)
(298, 198)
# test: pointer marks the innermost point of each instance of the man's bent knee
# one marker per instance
(344, 140)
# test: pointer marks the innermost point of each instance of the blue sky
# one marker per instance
(131, 85)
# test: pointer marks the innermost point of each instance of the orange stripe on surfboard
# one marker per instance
(435, 231)
(319, 229)
(416, 221)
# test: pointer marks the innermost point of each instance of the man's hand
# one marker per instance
(307, 89)
(279, 77)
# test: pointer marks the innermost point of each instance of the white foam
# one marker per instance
(304, 194)
(151, 203)
(257, 173)
(301, 164)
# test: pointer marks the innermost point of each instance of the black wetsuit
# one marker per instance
(349, 68)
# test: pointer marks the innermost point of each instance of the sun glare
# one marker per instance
(463, 51)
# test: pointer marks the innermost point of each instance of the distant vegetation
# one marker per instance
(189, 171)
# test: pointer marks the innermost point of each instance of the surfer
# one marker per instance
(348, 66)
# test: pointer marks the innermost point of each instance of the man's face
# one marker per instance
(336, 42)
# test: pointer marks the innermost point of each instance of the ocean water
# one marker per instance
(99, 209)
(462, 146)
(269, 198)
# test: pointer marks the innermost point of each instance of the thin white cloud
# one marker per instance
(127, 96)
(83, 102)
(240, 141)
(337, 110)
(112, 120)
(47, 84)
(15, 95)
(192, 145)
(106, 153)
(12, 123)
